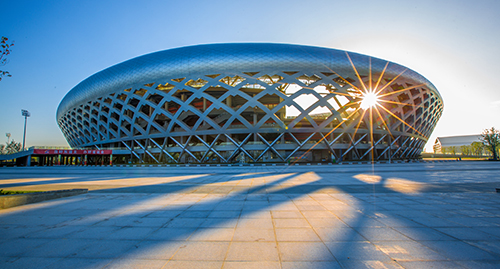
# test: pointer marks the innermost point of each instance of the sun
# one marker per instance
(370, 99)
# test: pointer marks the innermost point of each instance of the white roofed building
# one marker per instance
(457, 144)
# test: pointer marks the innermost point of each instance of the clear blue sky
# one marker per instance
(455, 44)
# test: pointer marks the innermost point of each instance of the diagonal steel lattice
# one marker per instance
(251, 103)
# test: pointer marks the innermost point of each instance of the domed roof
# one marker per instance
(217, 58)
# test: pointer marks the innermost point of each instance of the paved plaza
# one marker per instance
(417, 215)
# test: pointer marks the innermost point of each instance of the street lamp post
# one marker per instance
(26, 114)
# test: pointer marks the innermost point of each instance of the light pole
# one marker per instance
(26, 114)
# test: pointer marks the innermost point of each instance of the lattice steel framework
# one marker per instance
(251, 102)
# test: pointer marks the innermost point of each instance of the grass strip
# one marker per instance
(3, 192)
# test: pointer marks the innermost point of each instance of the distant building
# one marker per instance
(457, 144)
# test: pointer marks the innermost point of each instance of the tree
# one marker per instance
(465, 149)
(453, 150)
(4, 51)
(477, 148)
(491, 141)
(11, 147)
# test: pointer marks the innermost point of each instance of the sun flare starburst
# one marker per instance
(374, 101)
(370, 99)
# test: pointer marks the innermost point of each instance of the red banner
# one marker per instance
(72, 152)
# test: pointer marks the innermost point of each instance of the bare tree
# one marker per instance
(435, 148)
(491, 141)
(4, 51)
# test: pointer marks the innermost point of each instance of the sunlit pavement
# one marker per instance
(442, 215)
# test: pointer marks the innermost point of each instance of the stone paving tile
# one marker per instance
(370, 264)
(297, 235)
(252, 251)
(436, 222)
(391, 207)
(432, 264)
(395, 221)
(490, 246)
(304, 251)
(380, 234)
(228, 208)
(170, 234)
(59, 248)
(202, 251)
(55, 232)
(256, 235)
(411, 214)
(30, 262)
(467, 234)
(255, 214)
(225, 214)
(408, 251)
(166, 214)
(473, 221)
(129, 233)
(310, 207)
(356, 251)
(456, 250)
(326, 223)
(194, 214)
(20, 246)
(479, 264)
(136, 263)
(219, 223)
(79, 263)
(364, 222)
(193, 265)
(423, 233)
(157, 250)
(281, 214)
(255, 223)
(185, 222)
(107, 249)
(217, 234)
(285, 207)
(291, 223)
(145, 222)
(93, 232)
(307, 265)
(251, 265)
(338, 234)
(318, 214)
(13, 231)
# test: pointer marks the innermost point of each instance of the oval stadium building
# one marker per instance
(252, 102)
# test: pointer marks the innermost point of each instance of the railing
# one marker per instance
(51, 147)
